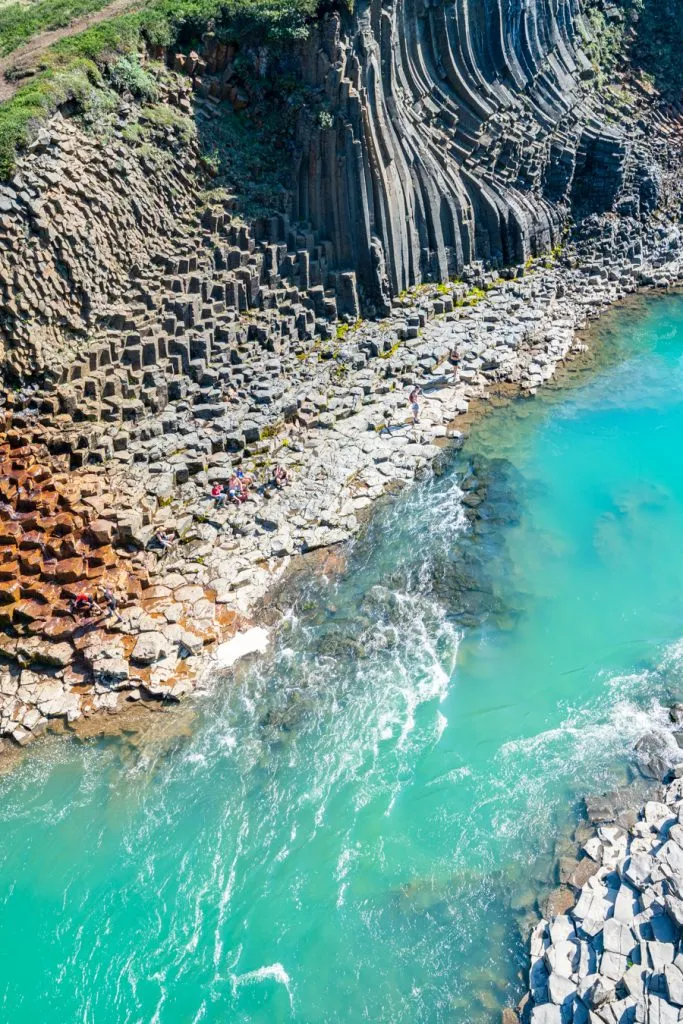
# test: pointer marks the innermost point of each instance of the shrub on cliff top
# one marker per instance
(646, 35)
(128, 75)
(246, 21)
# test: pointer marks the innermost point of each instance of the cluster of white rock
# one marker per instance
(616, 958)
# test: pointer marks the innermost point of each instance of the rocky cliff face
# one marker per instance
(432, 136)
(459, 130)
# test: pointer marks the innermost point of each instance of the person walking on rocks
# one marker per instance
(111, 601)
(414, 403)
(455, 361)
(165, 540)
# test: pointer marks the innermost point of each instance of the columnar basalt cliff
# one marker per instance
(458, 131)
(432, 136)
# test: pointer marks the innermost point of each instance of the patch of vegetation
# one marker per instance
(212, 162)
(74, 66)
(271, 430)
(647, 34)
(162, 116)
(21, 21)
(390, 352)
(249, 152)
(473, 296)
(37, 100)
(128, 76)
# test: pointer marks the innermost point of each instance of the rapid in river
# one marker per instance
(358, 827)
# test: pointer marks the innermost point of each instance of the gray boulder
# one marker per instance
(150, 647)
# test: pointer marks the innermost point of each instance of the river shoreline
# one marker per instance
(512, 335)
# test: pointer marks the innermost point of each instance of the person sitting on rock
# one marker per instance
(83, 604)
(219, 495)
(164, 539)
(279, 476)
(111, 601)
(246, 479)
(237, 493)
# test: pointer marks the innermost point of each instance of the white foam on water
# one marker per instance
(341, 896)
(196, 758)
(455, 775)
(250, 641)
(581, 755)
(200, 1014)
(273, 972)
(345, 859)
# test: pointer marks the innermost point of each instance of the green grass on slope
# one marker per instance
(19, 22)
(72, 68)
(647, 34)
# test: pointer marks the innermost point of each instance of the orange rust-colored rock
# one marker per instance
(6, 615)
(9, 592)
(37, 590)
(69, 570)
(101, 531)
(9, 571)
(31, 562)
(10, 534)
(63, 628)
(32, 539)
(30, 610)
(103, 556)
(59, 525)
(156, 593)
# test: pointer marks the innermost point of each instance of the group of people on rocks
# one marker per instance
(236, 491)
(84, 604)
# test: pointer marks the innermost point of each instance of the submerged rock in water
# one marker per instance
(676, 713)
(654, 754)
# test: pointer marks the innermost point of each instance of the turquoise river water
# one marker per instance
(357, 828)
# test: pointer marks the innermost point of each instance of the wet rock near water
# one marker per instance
(614, 953)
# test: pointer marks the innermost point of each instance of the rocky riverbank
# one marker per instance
(614, 954)
(320, 413)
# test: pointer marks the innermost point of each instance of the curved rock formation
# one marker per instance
(459, 130)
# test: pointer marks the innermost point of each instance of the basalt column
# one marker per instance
(448, 132)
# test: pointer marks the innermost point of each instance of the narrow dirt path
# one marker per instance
(27, 54)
